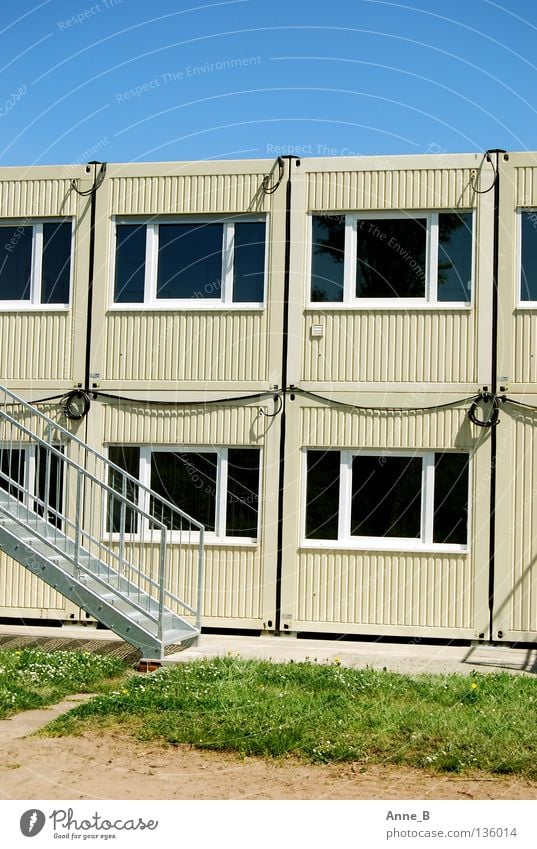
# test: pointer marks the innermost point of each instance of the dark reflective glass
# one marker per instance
(50, 469)
(127, 457)
(454, 256)
(391, 258)
(386, 497)
(322, 495)
(529, 256)
(451, 498)
(249, 262)
(12, 466)
(190, 261)
(188, 480)
(15, 263)
(242, 492)
(327, 259)
(130, 264)
(56, 268)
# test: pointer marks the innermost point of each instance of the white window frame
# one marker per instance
(151, 302)
(346, 541)
(34, 301)
(430, 299)
(219, 534)
(520, 304)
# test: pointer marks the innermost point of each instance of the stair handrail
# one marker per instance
(17, 401)
(84, 445)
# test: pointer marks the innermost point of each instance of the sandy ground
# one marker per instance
(109, 766)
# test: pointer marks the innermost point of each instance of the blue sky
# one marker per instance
(131, 80)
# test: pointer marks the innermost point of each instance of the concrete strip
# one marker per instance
(29, 721)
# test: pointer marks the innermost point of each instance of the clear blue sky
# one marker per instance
(135, 80)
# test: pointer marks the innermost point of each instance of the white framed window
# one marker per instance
(37, 481)
(527, 257)
(395, 500)
(387, 259)
(36, 263)
(175, 263)
(218, 487)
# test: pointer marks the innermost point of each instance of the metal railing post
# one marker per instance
(200, 579)
(78, 513)
(162, 575)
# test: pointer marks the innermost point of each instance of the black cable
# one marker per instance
(269, 190)
(494, 415)
(519, 403)
(76, 404)
(279, 398)
(98, 180)
(384, 409)
(486, 158)
(201, 402)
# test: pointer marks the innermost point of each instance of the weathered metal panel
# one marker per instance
(425, 346)
(35, 346)
(36, 198)
(187, 193)
(516, 573)
(384, 589)
(344, 428)
(526, 186)
(392, 188)
(144, 424)
(20, 589)
(186, 346)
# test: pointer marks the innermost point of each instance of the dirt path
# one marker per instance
(108, 766)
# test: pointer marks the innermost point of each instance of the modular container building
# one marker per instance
(330, 363)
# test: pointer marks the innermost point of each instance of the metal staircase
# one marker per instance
(96, 534)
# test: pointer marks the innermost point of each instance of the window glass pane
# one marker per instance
(15, 263)
(322, 495)
(391, 258)
(529, 256)
(188, 480)
(386, 497)
(190, 261)
(454, 256)
(56, 270)
(53, 469)
(12, 464)
(328, 253)
(130, 263)
(242, 492)
(127, 457)
(451, 498)
(249, 262)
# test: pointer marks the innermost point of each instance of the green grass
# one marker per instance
(326, 714)
(31, 678)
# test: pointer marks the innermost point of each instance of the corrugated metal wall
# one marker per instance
(377, 357)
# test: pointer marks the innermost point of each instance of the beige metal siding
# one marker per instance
(341, 428)
(222, 425)
(516, 528)
(177, 346)
(37, 346)
(187, 193)
(22, 590)
(384, 589)
(390, 188)
(375, 346)
(21, 198)
(526, 184)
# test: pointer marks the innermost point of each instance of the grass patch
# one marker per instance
(326, 714)
(31, 678)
